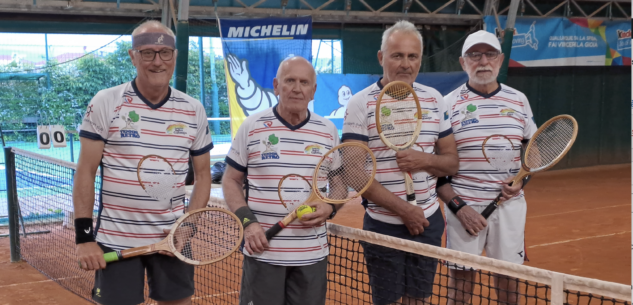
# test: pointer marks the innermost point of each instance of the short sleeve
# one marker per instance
(202, 143)
(355, 124)
(238, 154)
(445, 117)
(96, 122)
(530, 125)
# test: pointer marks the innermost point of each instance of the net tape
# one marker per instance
(348, 280)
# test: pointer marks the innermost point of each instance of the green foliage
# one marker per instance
(73, 84)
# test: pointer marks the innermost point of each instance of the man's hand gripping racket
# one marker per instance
(398, 122)
(549, 145)
(344, 173)
(200, 237)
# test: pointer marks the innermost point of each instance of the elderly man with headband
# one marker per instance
(121, 125)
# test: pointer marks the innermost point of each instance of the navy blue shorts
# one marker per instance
(394, 273)
(123, 282)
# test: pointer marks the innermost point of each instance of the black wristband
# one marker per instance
(456, 204)
(246, 216)
(84, 232)
(441, 181)
(333, 211)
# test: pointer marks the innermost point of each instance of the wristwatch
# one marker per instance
(333, 211)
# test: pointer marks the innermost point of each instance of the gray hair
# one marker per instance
(402, 26)
(153, 24)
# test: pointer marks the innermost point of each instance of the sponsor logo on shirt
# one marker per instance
(88, 111)
(127, 99)
(463, 96)
(469, 115)
(313, 150)
(268, 124)
(425, 114)
(446, 115)
(271, 150)
(130, 130)
(176, 129)
(385, 120)
(507, 112)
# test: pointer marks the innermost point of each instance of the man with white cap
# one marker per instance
(477, 109)
(122, 124)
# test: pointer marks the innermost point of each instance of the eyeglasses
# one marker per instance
(149, 55)
(476, 56)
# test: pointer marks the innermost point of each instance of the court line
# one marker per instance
(37, 282)
(570, 240)
(575, 211)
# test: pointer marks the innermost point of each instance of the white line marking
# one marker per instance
(215, 295)
(575, 211)
(570, 240)
(37, 282)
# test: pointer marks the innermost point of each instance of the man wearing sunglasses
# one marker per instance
(477, 109)
(122, 124)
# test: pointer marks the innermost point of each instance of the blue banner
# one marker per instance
(539, 42)
(335, 90)
(253, 50)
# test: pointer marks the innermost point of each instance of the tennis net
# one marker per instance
(361, 266)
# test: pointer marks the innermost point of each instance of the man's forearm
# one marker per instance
(83, 194)
(381, 196)
(200, 194)
(446, 192)
(235, 189)
(442, 165)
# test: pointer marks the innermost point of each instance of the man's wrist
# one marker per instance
(333, 213)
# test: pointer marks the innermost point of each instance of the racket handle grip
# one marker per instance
(491, 207)
(274, 230)
(111, 257)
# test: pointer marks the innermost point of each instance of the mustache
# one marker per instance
(484, 68)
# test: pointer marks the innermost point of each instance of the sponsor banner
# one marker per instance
(545, 42)
(253, 50)
(335, 90)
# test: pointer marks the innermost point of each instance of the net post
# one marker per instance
(12, 203)
(558, 289)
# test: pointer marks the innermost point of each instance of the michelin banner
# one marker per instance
(335, 90)
(546, 42)
(253, 49)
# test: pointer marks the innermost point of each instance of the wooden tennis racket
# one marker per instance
(550, 144)
(399, 121)
(344, 173)
(157, 177)
(200, 237)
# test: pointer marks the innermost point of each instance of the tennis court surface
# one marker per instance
(578, 224)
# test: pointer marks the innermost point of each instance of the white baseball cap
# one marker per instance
(478, 37)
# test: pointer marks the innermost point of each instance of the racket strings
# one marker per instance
(293, 191)
(207, 236)
(398, 114)
(344, 173)
(550, 144)
(157, 178)
(501, 153)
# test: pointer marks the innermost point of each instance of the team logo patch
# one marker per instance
(130, 130)
(469, 115)
(385, 120)
(464, 96)
(271, 150)
(127, 99)
(313, 150)
(88, 111)
(507, 112)
(177, 129)
(268, 124)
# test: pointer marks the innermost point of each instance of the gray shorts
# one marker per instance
(266, 284)
(123, 282)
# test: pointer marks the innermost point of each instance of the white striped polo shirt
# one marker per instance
(266, 148)
(131, 128)
(360, 124)
(475, 116)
